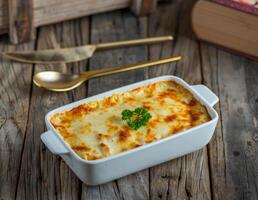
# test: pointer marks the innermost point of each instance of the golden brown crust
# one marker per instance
(95, 130)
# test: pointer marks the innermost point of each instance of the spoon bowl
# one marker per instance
(57, 81)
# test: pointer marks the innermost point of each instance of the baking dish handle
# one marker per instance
(206, 93)
(53, 143)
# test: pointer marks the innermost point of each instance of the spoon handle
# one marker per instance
(126, 43)
(113, 70)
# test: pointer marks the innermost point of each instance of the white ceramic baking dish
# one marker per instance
(107, 169)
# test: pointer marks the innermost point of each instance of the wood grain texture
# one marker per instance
(186, 177)
(111, 27)
(43, 175)
(15, 84)
(143, 7)
(50, 11)
(216, 146)
(233, 150)
(21, 21)
(226, 169)
(4, 18)
(53, 11)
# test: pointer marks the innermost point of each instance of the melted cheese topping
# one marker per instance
(95, 130)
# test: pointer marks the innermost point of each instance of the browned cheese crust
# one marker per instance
(95, 130)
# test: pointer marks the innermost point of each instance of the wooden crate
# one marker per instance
(21, 17)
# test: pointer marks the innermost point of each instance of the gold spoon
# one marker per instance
(74, 54)
(60, 82)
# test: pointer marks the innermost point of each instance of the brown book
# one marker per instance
(249, 6)
(226, 27)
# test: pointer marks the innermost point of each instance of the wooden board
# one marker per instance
(143, 7)
(226, 169)
(49, 11)
(4, 19)
(15, 90)
(233, 150)
(21, 21)
(21, 13)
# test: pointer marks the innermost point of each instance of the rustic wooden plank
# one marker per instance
(143, 7)
(14, 107)
(233, 150)
(216, 146)
(4, 19)
(21, 21)
(43, 175)
(50, 11)
(111, 27)
(186, 177)
(53, 11)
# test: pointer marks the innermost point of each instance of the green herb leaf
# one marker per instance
(137, 118)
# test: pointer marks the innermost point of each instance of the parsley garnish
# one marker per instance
(137, 118)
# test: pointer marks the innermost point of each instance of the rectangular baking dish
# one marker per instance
(107, 169)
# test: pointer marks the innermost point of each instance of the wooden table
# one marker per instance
(227, 168)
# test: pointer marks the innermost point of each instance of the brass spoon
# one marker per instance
(74, 54)
(60, 82)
